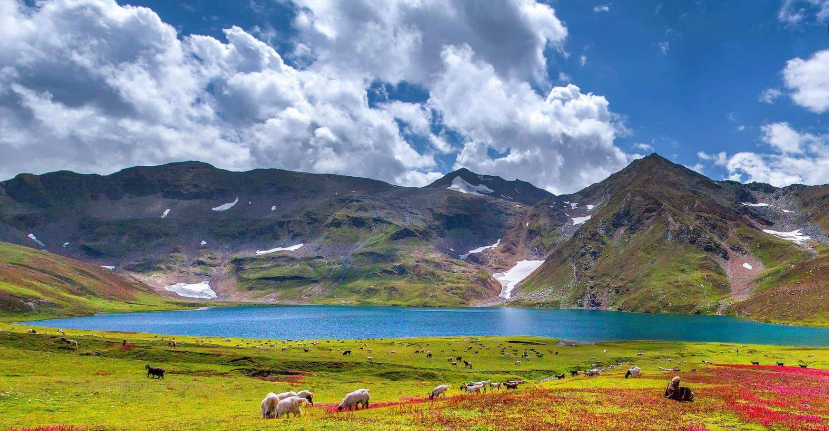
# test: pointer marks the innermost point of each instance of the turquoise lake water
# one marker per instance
(312, 322)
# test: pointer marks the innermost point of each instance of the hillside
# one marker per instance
(39, 284)
(653, 237)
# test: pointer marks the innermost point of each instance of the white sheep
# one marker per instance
(438, 391)
(517, 362)
(473, 388)
(495, 385)
(593, 372)
(308, 395)
(290, 405)
(284, 395)
(269, 405)
(355, 399)
(633, 372)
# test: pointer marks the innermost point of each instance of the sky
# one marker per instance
(558, 93)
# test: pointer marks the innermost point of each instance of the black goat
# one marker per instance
(156, 372)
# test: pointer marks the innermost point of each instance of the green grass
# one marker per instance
(215, 383)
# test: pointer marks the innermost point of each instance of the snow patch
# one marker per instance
(198, 290)
(227, 206)
(34, 238)
(747, 265)
(761, 204)
(574, 205)
(787, 211)
(590, 207)
(515, 275)
(794, 236)
(109, 267)
(580, 220)
(274, 250)
(66, 244)
(166, 212)
(480, 249)
(460, 185)
(273, 208)
(506, 196)
(203, 242)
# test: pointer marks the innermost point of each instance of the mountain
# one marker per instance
(653, 237)
(466, 181)
(332, 238)
(34, 283)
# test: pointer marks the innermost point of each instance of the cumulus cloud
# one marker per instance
(561, 142)
(769, 95)
(798, 158)
(602, 8)
(401, 40)
(795, 12)
(93, 86)
(809, 81)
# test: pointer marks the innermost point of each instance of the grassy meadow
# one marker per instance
(218, 383)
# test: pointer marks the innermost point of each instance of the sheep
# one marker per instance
(511, 384)
(494, 385)
(471, 388)
(560, 376)
(355, 399)
(454, 364)
(370, 359)
(803, 365)
(31, 331)
(467, 364)
(156, 372)
(708, 362)
(634, 372)
(779, 364)
(172, 344)
(72, 343)
(517, 362)
(574, 373)
(269, 405)
(755, 362)
(429, 355)
(347, 352)
(284, 395)
(593, 372)
(438, 391)
(308, 395)
(290, 405)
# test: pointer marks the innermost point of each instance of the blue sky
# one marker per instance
(557, 93)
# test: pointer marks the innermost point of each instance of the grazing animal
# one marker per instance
(511, 385)
(429, 355)
(370, 359)
(172, 344)
(438, 391)
(283, 395)
(803, 366)
(471, 387)
(308, 395)
(355, 400)
(347, 352)
(779, 364)
(633, 372)
(755, 362)
(592, 373)
(467, 364)
(560, 376)
(72, 343)
(288, 406)
(517, 362)
(156, 372)
(678, 393)
(269, 405)
(494, 385)
(31, 331)
(454, 364)
(574, 373)
(708, 362)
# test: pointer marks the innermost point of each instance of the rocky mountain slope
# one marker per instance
(654, 237)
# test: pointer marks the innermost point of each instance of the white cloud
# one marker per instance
(741, 128)
(664, 47)
(560, 143)
(643, 146)
(795, 12)
(769, 95)
(798, 158)
(402, 40)
(602, 8)
(719, 159)
(809, 81)
(583, 60)
(90, 77)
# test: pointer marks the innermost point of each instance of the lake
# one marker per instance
(313, 322)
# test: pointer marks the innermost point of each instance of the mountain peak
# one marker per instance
(465, 181)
